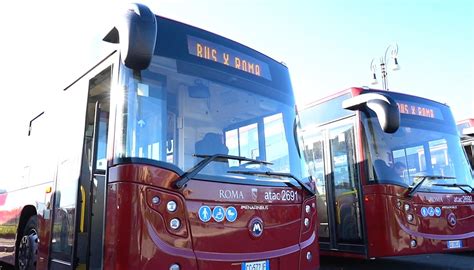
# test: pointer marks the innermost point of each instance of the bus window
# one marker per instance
(440, 162)
(243, 141)
(101, 160)
(428, 159)
(314, 155)
(415, 159)
(275, 142)
(401, 164)
(149, 119)
(426, 148)
(154, 125)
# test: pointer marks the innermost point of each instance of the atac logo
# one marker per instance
(463, 199)
(256, 227)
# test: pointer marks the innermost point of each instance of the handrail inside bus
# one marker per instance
(83, 209)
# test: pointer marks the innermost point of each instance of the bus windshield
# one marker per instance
(426, 146)
(173, 113)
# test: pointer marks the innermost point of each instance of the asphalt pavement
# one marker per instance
(453, 261)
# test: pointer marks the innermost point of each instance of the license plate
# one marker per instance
(455, 244)
(260, 265)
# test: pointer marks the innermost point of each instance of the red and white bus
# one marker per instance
(177, 150)
(391, 176)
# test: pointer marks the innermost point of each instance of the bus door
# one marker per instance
(340, 227)
(68, 119)
(77, 233)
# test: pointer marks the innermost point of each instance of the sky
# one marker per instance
(328, 46)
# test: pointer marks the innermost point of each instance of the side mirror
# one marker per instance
(384, 107)
(136, 33)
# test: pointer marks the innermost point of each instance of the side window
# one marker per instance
(102, 142)
(314, 155)
(343, 157)
(99, 91)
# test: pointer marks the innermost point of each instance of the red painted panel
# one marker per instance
(144, 174)
(390, 231)
(10, 212)
(138, 235)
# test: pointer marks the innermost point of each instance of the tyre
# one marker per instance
(28, 247)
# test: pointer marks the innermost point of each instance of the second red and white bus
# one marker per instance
(391, 176)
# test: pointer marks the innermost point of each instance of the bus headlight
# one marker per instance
(307, 209)
(309, 256)
(175, 223)
(171, 206)
(406, 207)
(399, 204)
(306, 222)
(175, 267)
(155, 200)
(410, 217)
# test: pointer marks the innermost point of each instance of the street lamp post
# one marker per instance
(393, 48)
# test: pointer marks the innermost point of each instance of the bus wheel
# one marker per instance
(28, 247)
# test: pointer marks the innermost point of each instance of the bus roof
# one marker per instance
(159, 17)
(358, 90)
(468, 121)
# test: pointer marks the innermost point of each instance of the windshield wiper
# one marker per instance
(208, 159)
(239, 158)
(413, 190)
(460, 186)
(288, 175)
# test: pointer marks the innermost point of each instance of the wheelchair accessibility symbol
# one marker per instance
(218, 213)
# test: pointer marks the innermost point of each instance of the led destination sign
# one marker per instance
(226, 56)
(419, 110)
